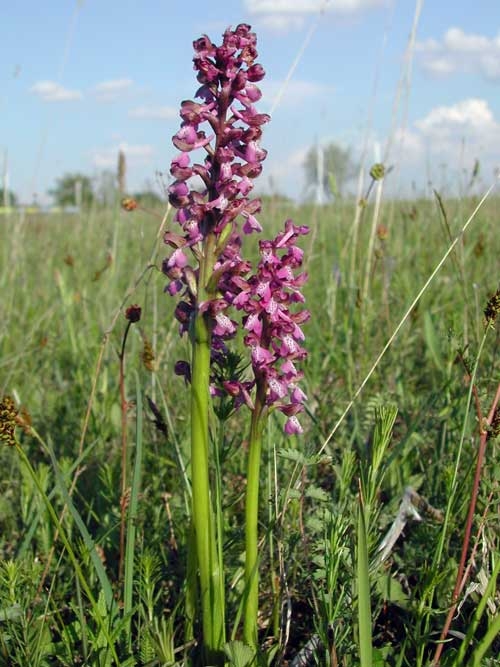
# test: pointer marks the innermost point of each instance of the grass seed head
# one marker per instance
(148, 356)
(492, 309)
(494, 430)
(10, 417)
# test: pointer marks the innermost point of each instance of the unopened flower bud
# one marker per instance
(133, 313)
(377, 172)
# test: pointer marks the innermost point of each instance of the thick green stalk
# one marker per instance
(219, 521)
(211, 603)
(251, 602)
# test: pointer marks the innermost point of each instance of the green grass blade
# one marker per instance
(364, 606)
(28, 537)
(488, 638)
(132, 511)
(100, 617)
(486, 642)
(87, 538)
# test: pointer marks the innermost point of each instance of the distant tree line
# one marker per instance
(327, 170)
(10, 199)
(77, 189)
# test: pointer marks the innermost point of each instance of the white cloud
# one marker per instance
(446, 132)
(294, 161)
(308, 6)
(109, 91)
(154, 113)
(407, 146)
(281, 15)
(471, 117)
(50, 91)
(293, 92)
(106, 158)
(283, 172)
(441, 147)
(461, 52)
(296, 87)
(282, 22)
(455, 136)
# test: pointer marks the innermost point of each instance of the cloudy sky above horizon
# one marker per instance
(81, 80)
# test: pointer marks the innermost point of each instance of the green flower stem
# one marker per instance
(219, 519)
(212, 602)
(251, 602)
(191, 586)
(199, 466)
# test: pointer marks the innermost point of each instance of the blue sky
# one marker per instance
(80, 80)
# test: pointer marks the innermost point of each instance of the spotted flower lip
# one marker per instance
(292, 426)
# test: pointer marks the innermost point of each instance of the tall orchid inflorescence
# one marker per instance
(213, 281)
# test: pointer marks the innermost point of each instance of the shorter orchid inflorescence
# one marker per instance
(215, 283)
(273, 328)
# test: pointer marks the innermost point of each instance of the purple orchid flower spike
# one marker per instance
(220, 210)
(213, 281)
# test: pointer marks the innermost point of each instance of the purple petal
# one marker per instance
(292, 426)
(251, 224)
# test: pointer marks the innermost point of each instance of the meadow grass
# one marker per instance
(326, 503)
